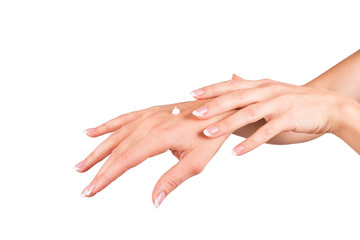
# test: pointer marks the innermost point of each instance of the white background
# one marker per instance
(70, 65)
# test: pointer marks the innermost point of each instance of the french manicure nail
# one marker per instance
(88, 190)
(201, 111)
(89, 130)
(197, 92)
(237, 150)
(210, 131)
(159, 199)
(79, 165)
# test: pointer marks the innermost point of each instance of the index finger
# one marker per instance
(121, 161)
(220, 88)
(112, 125)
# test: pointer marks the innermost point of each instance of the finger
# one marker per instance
(235, 99)
(218, 89)
(112, 125)
(245, 116)
(122, 160)
(191, 165)
(103, 150)
(131, 140)
(236, 77)
(262, 135)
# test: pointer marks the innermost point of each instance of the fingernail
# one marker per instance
(237, 150)
(210, 131)
(159, 199)
(197, 92)
(88, 190)
(200, 111)
(79, 165)
(89, 130)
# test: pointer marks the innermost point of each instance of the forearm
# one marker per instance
(343, 78)
(348, 127)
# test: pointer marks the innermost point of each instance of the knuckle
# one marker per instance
(196, 168)
(105, 127)
(104, 177)
(115, 136)
(252, 111)
(117, 155)
(251, 143)
(215, 103)
(265, 81)
(287, 99)
(122, 158)
(159, 130)
(241, 93)
(226, 125)
(234, 82)
(152, 120)
(266, 132)
(92, 155)
(149, 111)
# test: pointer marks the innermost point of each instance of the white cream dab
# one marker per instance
(175, 111)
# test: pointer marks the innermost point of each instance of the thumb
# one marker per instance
(176, 175)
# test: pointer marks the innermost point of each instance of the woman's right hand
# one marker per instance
(218, 89)
(142, 134)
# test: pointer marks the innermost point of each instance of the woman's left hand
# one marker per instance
(285, 108)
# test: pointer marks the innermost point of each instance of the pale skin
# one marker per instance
(262, 111)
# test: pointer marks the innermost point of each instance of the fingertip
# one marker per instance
(159, 199)
(197, 93)
(88, 190)
(89, 130)
(236, 77)
(239, 149)
(211, 131)
(200, 112)
(79, 166)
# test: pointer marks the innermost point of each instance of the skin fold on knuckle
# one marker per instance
(252, 112)
(104, 127)
(265, 133)
(240, 94)
(272, 87)
(214, 105)
(225, 126)
(195, 168)
(172, 182)
(92, 156)
(265, 81)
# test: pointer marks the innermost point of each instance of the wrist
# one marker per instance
(347, 118)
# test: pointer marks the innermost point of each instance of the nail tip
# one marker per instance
(75, 169)
(87, 131)
(193, 94)
(234, 153)
(195, 113)
(206, 133)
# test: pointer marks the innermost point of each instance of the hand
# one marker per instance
(284, 107)
(142, 134)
